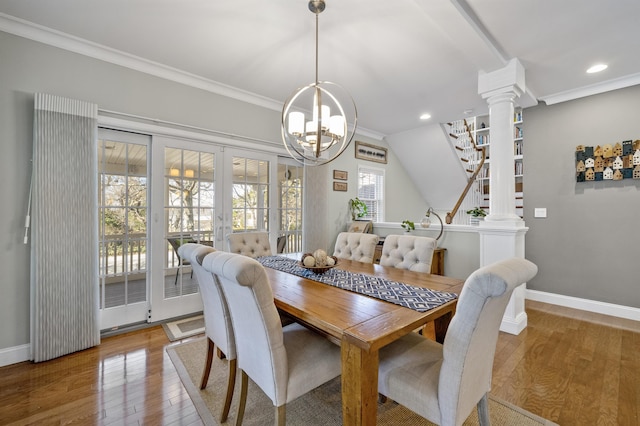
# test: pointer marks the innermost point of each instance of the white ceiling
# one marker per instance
(397, 58)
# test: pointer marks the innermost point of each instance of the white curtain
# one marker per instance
(64, 228)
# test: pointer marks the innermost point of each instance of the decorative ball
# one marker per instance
(309, 261)
(330, 261)
(320, 257)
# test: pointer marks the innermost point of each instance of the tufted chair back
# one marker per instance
(251, 244)
(356, 246)
(408, 252)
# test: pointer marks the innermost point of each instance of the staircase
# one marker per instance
(472, 157)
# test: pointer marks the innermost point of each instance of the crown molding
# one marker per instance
(594, 89)
(51, 37)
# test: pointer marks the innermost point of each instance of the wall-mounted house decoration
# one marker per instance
(611, 162)
(598, 164)
(589, 163)
(617, 149)
(618, 163)
(590, 174)
(617, 174)
(636, 172)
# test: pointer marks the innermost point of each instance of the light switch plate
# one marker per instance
(540, 212)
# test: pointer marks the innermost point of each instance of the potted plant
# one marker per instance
(477, 214)
(408, 225)
(358, 208)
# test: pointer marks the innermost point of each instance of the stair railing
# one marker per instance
(472, 179)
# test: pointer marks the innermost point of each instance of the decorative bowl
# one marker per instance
(317, 269)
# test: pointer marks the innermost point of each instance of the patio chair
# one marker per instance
(176, 242)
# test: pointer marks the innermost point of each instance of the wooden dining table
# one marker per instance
(360, 324)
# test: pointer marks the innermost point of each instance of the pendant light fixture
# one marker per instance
(316, 128)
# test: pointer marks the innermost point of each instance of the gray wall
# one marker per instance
(587, 247)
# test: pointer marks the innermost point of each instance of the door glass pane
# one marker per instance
(290, 205)
(189, 213)
(122, 199)
(250, 202)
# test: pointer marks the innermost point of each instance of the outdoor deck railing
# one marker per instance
(117, 258)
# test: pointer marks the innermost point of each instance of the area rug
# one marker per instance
(183, 328)
(321, 406)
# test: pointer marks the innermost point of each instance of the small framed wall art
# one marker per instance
(340, 186)
(340, 175)
(370, 152)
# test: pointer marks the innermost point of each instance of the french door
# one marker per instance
(123, 194)
(158, 192)
(201, 193)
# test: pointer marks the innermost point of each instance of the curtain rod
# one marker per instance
(117, 114)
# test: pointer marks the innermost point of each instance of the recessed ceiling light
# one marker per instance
(425, 116)
(597, 68)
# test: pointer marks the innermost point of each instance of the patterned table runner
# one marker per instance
(417, 298)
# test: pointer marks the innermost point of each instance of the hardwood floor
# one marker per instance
(571, 367)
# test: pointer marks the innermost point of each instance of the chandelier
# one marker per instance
(311, 134)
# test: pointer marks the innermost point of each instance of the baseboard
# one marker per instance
(15, 354)
(611, 309)
(514, 326)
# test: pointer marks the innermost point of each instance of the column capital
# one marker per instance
(505, 81)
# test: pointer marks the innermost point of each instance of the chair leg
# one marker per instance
(281, 415)
(244, 384)
(231, 384)
(177, 272)
(207, 364)
(483, 411)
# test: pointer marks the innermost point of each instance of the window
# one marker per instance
(371, 191)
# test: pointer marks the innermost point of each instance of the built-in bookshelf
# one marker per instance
(477, 131)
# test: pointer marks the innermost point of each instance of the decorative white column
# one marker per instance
(502, 232)
(500, 88)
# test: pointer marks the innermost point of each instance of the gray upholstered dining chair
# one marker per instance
(444, 382)
(408, 252)
(217, 321)
(252, 244)
(285, 362)
(356, 246)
